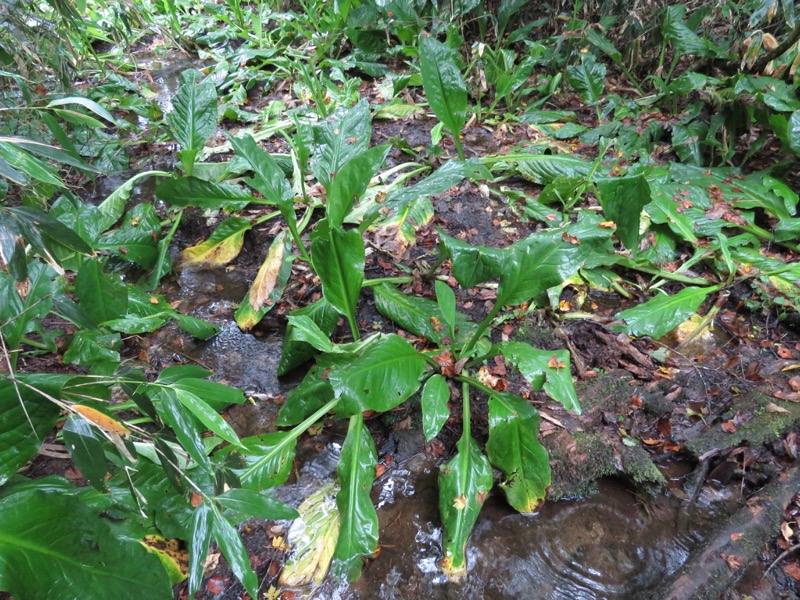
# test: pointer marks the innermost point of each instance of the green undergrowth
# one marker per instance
(667, 189)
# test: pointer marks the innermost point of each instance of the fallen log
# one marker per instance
(736, 545)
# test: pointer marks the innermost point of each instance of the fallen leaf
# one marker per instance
(735, 536)
(215, 585)
(794, 383)
(789, 396)
(784, 352)
(729, 426)
(774, 408)
(554, 363)
(792, 569)
(445, 361)
(732, 561)
(786, 531)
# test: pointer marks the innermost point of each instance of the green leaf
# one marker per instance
(341, 137)
(623, 199)
(180, 420)
(793, 132)
(307, 331)
(420, 315)
(534, 265)
(268, 177)
(295, 351)
(217, 395)
(134, 240)
(544, 368)
(90, 347)
(311, 395)
(85, 103)
(662, 314)
(113, 206)
(435, 411)
(588, 78)
(25, 167)
(190, 191)
(207, 416)
(514, 448)
(268, 286)
(464, 484)
(198, 545)
(221, 247)
(358, 533)
(86, 450)
(194, 118)
(265, 462)
(54, 545)
(446, 299)
(351, 181)
(472, 264)
(230, 544)
(545, 168)
(102, 297)
(383, 376)
(444, 86)
(195, 327)
(26, 417)
(338, 259)
(254, 504)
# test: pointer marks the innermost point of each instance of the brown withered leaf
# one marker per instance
(792, 569)
(728, 426)
(445, 361)
(732, 561)
(784, 352)
(788, 396)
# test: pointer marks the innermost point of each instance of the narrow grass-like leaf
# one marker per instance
(232, 548)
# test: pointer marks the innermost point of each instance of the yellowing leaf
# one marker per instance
(268, 274)
(101, 420)
(222, 247)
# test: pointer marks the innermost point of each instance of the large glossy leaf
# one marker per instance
(398, 233)
(113, 206)
(446, 299)
(358, 533)
(217, 395)
(295, 352)
(514, 448)
(338, 259)
(341, 137)
(464, 484)
(25, 167)
(663, 313)
(253, 504)
(435, 411)
(135, 239)
(420, 316)
(588, 78)
(206, 415)
(548, 369)
(221, 247)
(183, 424)
(53, 545)
(623, 199)
(103, 297)
(265, 462)
(40, 230)
(385, 374)
(532, 266)
(190, 191)
(26, 417)
(198, 545)
(267, 287)
(351, 181)
(472, 264)
(444, 86)
(194, 118)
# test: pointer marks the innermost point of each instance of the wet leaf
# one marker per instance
(206, 415)
(358, 534)
(195, 327)
(54, 544)
(514, 448)
(663, 313)
(265, 461)
(341, 137)
(338, 259)
(221, 247)
(303, 400)
(194, 118)
(417, 315)
(102, 296)
(541, 371)
(267, 287)
(295, 351)
(444, 86)
(253, 504)
(623, 199)
(182, 422)
(472, 264)
(446, 299)
(351, 181)
(385, 374)
(435, 411)
(464, 484)
(306, 330)
(86, 450)
(190, 191)
(233, 550)
(268, 177)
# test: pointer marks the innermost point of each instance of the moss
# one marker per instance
(612, 390)
(761, 428)
(535, 335)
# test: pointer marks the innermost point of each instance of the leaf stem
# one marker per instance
(465, 410)
(459, 147)
(479, 331)
(381, 280)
